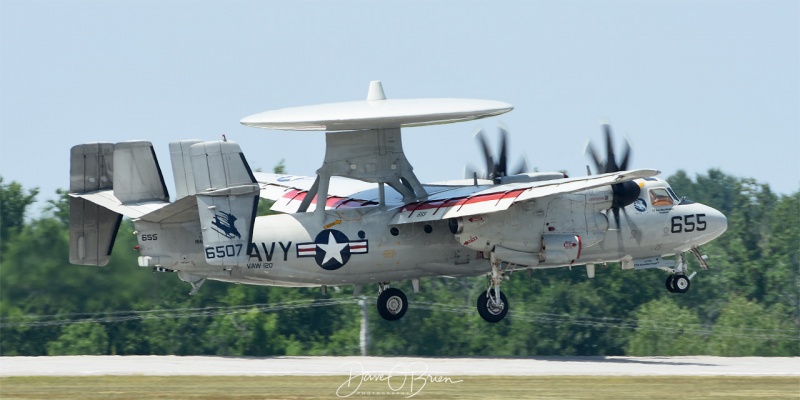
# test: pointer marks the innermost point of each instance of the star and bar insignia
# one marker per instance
(332, 249)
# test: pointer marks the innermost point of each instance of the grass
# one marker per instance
(471, 387)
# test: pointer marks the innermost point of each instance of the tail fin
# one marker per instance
(92, 228)
(106, 181)
(182, 167)
(227, 199)
(137, 175)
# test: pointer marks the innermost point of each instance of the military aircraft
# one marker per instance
(365, 218)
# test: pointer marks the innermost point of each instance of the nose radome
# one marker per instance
(717, 222)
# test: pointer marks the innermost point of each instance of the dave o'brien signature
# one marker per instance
(415, 375)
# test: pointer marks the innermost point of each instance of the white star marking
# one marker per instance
(332, 250)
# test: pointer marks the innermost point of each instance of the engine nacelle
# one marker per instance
(532, 177)
(601, 198)
(560, 249)
(471, 232)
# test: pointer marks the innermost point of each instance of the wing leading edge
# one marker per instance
(501, 197)
(444, 201)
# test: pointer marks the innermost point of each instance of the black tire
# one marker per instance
(489, 314)
(671, 283)
(392, 304)
(681, 283)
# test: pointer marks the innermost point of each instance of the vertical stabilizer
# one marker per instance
(91, 167)
(227, 199)
(182, 168)
(92, 228)
(137, 176)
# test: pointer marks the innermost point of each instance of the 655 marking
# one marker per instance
(688, 223)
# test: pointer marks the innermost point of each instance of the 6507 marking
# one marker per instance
(230, 250)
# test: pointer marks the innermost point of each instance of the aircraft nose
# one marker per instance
(717, 222)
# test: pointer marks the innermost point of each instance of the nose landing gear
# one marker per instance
(678, 282)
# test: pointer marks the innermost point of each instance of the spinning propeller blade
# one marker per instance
(487, 154)
(499, 168)
(522, 168)
(624, 193)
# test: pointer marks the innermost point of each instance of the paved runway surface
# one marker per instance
(538, 366)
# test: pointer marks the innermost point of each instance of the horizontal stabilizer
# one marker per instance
(105, 198)
(182, 210)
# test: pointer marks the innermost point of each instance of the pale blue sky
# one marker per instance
(695, 85)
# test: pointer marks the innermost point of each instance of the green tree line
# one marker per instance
(747, 304)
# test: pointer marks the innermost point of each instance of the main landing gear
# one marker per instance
(392, 302)
(492, 304)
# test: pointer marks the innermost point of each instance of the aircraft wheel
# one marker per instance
(671, 283)
(392, 304)
(681, 283)
(490, 311)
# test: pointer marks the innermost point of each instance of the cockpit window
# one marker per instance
(659, 197)
(679, 200)
(674, 196)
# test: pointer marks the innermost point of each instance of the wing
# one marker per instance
(501, 197)
(288, 191)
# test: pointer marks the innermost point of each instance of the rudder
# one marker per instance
(137, 175)
(92, 228)
(227, 199)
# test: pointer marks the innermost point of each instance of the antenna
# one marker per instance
(375, 92)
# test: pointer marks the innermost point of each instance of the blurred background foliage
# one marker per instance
(747, 304)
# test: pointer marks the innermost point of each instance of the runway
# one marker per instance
(319, 366)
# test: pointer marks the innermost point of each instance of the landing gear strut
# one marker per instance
(679, 282)
(392, 302)
(492, 304)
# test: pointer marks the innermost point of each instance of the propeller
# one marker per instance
(624, 193)
(497, 167)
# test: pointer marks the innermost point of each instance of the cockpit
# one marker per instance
(660, 197)
(659, 193)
